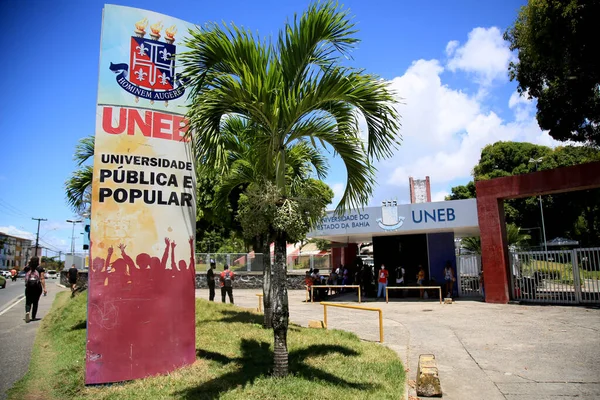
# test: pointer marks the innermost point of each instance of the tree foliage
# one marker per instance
(514, 238)
(575, 215)
(293, 90)
(558, 64)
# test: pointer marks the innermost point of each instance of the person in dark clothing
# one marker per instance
(210, 280)
(226, 280)
(73, 274)
(35, 284)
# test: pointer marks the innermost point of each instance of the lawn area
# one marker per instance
(234, 361)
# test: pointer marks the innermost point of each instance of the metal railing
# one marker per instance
(236, 261)
(556, 277)
(254, 261)
(469, 268)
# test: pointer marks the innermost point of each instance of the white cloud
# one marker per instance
(14, 231)
(444, 130)
(48, 238)
(485, 54)
(451, 46)
(439, 196)
(338, 192)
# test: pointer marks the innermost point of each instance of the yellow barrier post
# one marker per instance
(260, 296)
(325, 304)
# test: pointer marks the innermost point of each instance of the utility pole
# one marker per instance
(37, 236)
(536, 162)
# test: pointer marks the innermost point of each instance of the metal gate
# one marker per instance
(556, 277)
(469, 268)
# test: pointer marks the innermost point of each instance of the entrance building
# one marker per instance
(406, 235)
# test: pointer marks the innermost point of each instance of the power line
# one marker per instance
(9, 206)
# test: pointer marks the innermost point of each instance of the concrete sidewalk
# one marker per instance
(17, 337)
(484, 351)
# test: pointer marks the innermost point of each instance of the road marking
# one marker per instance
(16, 300)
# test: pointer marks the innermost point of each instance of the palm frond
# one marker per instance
(78, 186)
(323, 33)
(84, 150)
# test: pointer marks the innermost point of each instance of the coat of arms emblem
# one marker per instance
(151, 67)
(390, 220)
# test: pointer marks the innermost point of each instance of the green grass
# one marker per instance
(234, 362)
(559, 272)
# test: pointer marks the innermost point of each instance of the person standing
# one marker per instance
(449, 278)
(73, 274)
(421, 280)
(226, 280)
(383, 279)
(210, 280)
(35, 284)
(400, 278)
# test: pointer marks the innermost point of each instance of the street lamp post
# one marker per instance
(538, 161)
(73, 221)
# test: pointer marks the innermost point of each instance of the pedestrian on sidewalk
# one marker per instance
(35, 284)
(226, 281)
(210, 280)
(383, 280)
(73, 275)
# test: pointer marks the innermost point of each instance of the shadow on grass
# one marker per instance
(81, 325)
(256, 361)
(244, 317)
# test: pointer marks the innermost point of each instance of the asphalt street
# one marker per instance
(17, 337)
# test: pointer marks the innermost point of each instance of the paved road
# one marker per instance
(12, 290)
(17, 337)
(484, 351)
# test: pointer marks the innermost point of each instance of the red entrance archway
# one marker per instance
(490, 209)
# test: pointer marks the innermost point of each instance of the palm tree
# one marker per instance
(292, 90)
(514, 238)
(79, 184)
(246, 169)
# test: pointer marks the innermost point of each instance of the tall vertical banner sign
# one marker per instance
(142, 274)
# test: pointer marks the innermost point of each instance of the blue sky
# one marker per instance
(445, 59)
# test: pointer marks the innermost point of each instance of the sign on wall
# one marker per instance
(141, 314)
(403, 218)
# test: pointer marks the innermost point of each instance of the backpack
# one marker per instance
(32, 279)
(227, 279)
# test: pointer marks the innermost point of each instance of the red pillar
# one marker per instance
(490, 210)
(494, 252)
(336, 256)
(349, 253)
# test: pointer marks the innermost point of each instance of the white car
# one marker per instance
(51, 274)
(5, 274)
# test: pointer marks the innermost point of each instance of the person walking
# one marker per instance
(73, 274)
(383, 280)
(210, 280)
(35, 284)
(226, 281)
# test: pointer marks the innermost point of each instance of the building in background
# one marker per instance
(420, 190)
(14, 251)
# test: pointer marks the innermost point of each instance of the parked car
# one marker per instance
(2, 281)
(21, 274)
(5, 273)
(52, 274)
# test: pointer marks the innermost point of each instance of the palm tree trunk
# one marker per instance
(280, 307)
(265, 249)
